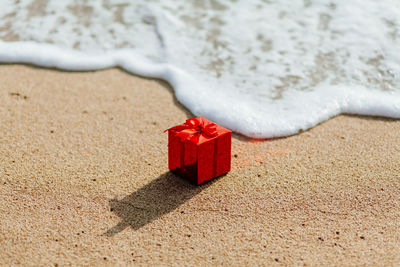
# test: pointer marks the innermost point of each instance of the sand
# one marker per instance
(84, 181)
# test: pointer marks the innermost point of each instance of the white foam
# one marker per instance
(261, 69)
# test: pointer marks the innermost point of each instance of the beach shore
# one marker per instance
(84, 181)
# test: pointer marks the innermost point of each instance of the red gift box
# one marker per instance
(199, 150)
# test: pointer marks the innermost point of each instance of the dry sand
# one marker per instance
(84, 181)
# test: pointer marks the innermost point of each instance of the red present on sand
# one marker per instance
(199, 150)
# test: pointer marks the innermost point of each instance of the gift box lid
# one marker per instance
(198, 130)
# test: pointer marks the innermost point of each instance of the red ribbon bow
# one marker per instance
(193, 128)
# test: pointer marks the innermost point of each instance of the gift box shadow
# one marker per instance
(159, 197)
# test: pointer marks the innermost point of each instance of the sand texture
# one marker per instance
(84, 181)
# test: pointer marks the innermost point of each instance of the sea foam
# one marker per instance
(261, 68)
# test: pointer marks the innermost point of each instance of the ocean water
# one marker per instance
(261, 68)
